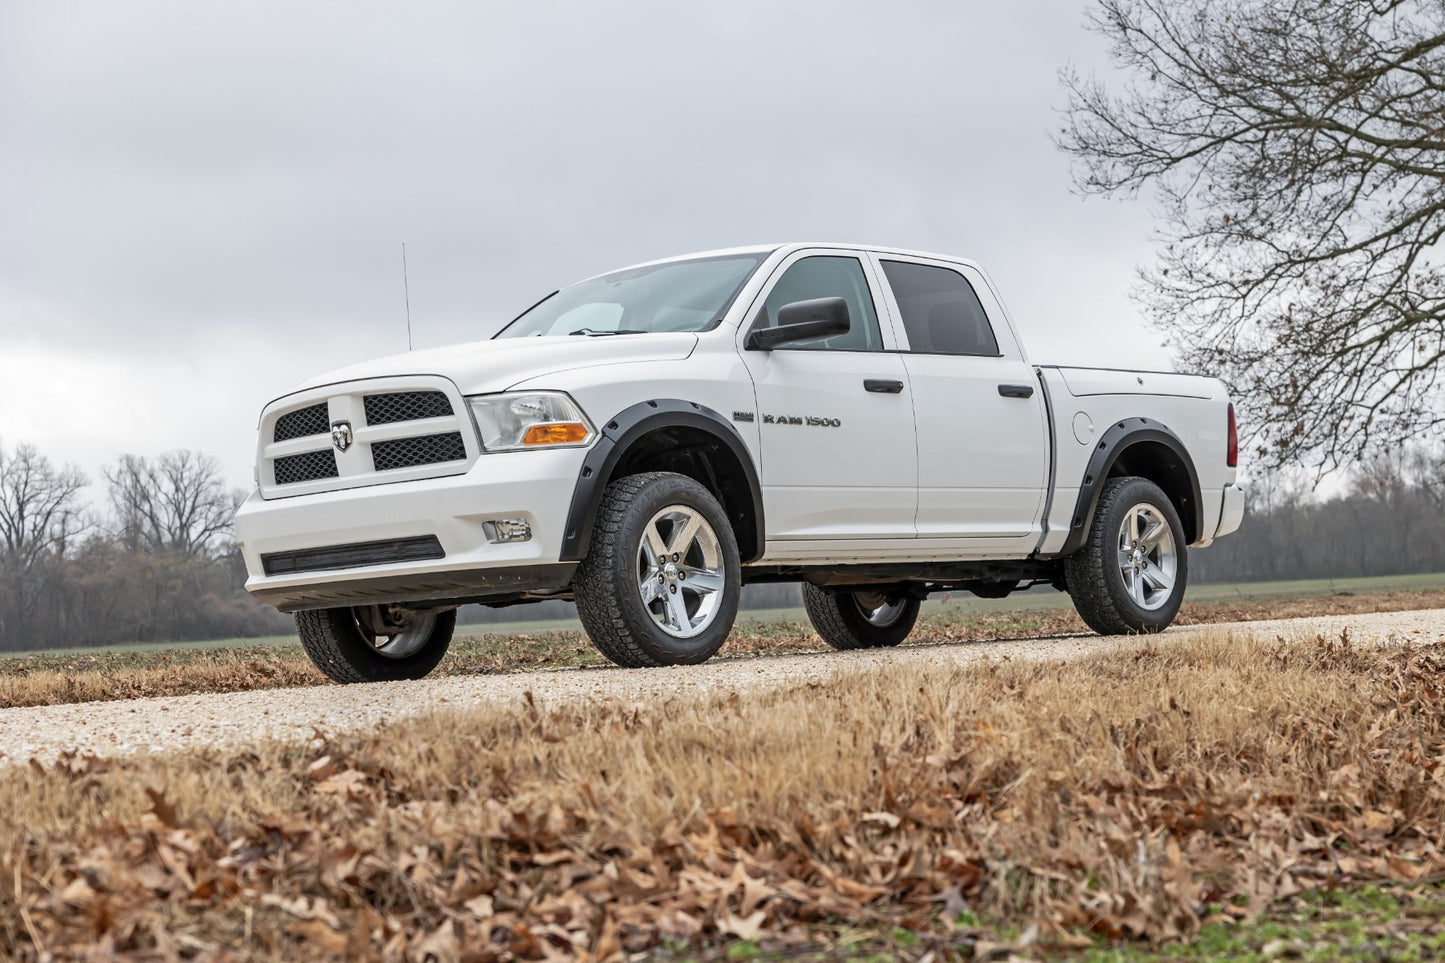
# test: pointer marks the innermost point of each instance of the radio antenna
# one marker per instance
(406, 290)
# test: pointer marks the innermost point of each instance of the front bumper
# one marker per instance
(1232, 513)
(535, 486)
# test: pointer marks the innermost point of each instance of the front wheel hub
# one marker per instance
(680, 573)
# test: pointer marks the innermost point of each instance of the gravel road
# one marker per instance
(111, 728)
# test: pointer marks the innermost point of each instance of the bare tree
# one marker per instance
(40, 510)
(1298, 149)
(174, 502)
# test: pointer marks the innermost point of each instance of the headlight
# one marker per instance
(530, 419)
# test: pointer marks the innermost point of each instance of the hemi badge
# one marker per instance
(742, 416)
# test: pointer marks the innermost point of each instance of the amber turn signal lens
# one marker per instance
(560, 433)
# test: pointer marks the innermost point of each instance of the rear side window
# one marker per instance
(941, 312)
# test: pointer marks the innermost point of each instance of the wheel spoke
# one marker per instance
(682, 536)
(1156, 577)
(1136, 588)
(653, 547)
(651, 588)
(703, 582)
(677, 612)
(1152, 536)
(1133, 528)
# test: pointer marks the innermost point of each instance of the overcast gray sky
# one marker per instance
(202, 203)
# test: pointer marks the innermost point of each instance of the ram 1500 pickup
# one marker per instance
(860, 420)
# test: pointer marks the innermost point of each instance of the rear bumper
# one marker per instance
(1232, 514)
(355, 526)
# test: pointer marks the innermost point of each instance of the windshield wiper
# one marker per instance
(595, 333)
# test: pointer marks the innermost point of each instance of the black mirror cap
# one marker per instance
(803, 321)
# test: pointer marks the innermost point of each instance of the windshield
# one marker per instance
(677, 296)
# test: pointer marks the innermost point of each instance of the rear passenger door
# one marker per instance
(978, 410)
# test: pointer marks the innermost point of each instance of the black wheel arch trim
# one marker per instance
(618, 435)
(1107, 449)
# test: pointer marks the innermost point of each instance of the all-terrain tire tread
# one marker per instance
(598, 603)
(1086, 571)
(330, 640)
(594, 586)
(831, 621)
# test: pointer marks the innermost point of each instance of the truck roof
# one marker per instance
(790, 247)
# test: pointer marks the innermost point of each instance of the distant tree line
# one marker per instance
(1388, 520)
(157, 561)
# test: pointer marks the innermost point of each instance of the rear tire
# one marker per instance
(860, 619)
(371, 644)
(661, 580)
(1129, 576)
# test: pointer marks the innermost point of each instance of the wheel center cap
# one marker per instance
(670, 571)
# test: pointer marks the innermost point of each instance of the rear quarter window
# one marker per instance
(941, 311)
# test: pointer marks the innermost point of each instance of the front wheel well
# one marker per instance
(706, 458)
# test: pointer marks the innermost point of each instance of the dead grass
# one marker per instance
(1118, 795)
(57, 678)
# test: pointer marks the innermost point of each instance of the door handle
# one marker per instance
(1016, 391)
(883, 386)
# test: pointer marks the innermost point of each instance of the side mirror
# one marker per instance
(803, 321)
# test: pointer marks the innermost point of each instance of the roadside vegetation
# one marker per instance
(128, 673)
(1219, 796)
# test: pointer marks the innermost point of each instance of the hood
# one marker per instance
(482, 367)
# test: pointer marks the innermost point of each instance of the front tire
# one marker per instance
(661, 580)
(375, 643)
(1129, 576)
(860, 619)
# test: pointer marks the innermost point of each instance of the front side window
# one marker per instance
(827, 277)
(941, 312)
(690, 295)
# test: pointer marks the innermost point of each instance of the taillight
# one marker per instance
(1232, 459)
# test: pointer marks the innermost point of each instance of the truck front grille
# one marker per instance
(405, 406)
(425, 450)
(365, 433)
(293, 469)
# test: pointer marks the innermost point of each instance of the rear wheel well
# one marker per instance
(1162, 466)
(706, 458)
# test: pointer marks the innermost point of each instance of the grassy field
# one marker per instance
(962, 603)
(125, 672)
(1223, 796)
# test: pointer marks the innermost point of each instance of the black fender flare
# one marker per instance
(1106, 452)
(618, 435)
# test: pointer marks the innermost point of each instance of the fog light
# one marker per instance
(507, 530)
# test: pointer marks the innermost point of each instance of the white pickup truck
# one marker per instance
(647, 441)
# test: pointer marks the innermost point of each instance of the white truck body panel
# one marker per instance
(944, 469)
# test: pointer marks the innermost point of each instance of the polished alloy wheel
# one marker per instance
(680, 571)
(393, 632)
(878, 610)
(1148, 556)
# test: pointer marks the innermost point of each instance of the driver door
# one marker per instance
(835, 420)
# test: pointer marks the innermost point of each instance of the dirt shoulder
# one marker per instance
(943, 802)
(233, 719)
